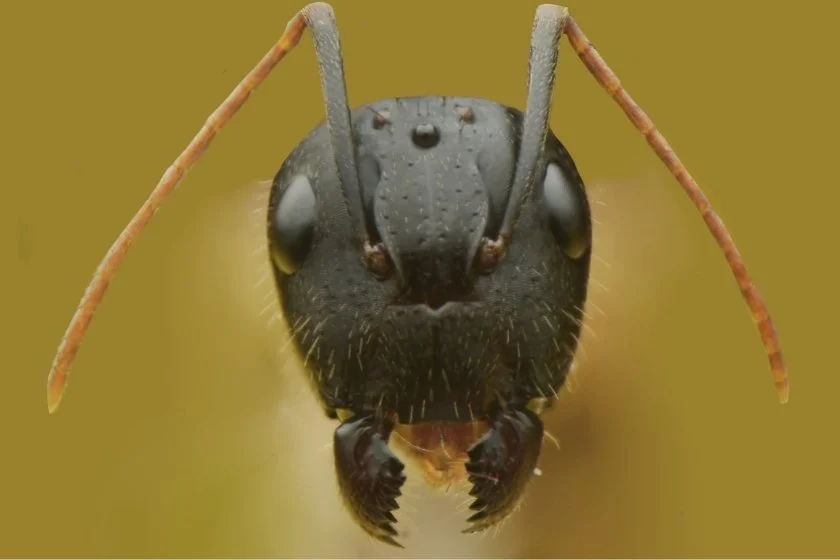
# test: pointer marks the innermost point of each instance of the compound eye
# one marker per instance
(567, 210)
(291, 227)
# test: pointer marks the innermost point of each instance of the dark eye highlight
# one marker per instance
(567, 212)
(291, 226)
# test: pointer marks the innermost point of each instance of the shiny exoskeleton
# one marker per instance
(431, 255)
(442, 336)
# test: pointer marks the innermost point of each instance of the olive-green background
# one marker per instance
(184, 434)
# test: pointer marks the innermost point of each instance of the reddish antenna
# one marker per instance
(57, 380)
(610, 82)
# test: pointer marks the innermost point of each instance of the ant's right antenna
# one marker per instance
(320, 20)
